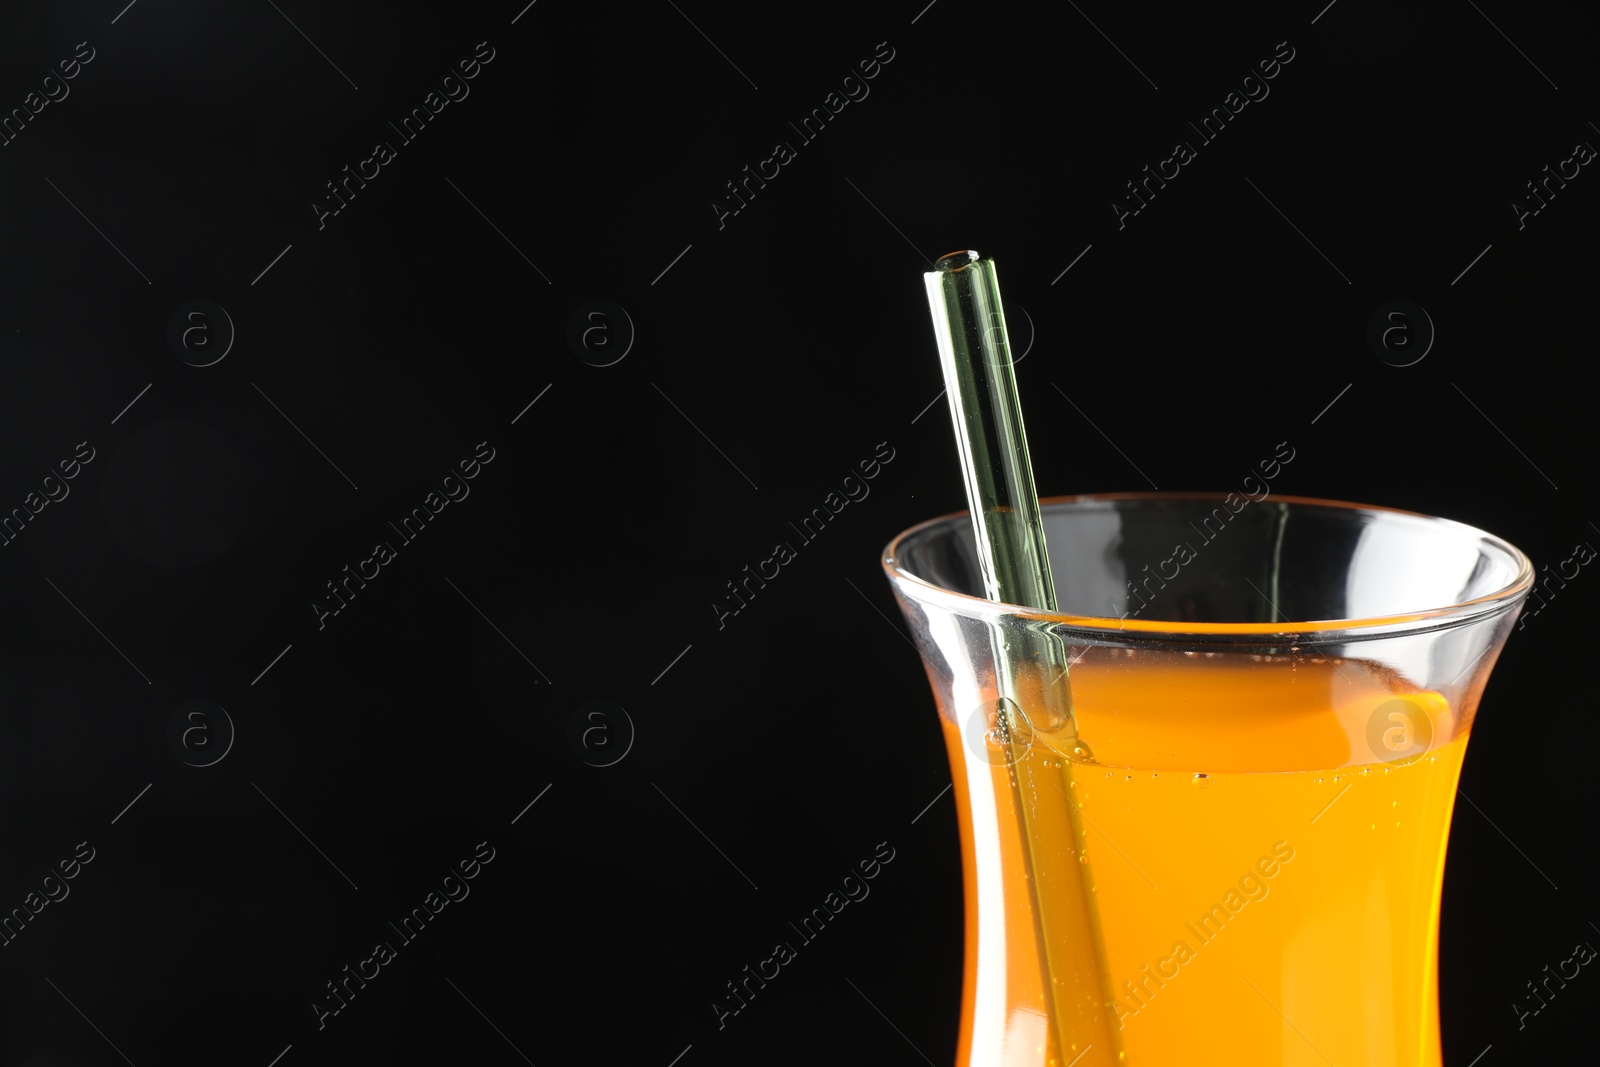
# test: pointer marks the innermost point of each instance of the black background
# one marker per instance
(772, 353)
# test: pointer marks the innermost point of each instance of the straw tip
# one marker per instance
(955, 261)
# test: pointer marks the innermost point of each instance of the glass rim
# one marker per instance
(1420, 621)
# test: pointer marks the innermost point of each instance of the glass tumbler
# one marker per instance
(1204, 806)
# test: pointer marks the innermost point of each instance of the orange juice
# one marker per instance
(1241, 873)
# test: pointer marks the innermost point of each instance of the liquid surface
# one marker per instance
(1256, 875)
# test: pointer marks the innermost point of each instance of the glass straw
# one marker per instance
(1030, 660)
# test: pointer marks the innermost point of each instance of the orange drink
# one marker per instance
(1249, 880)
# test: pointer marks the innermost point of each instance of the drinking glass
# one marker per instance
(1204, 806)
